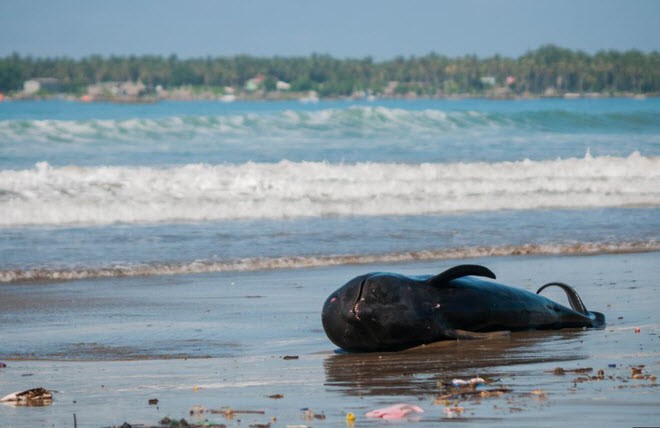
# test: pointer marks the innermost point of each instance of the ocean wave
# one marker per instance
(298, 262)
(356, 121)
(46, 195)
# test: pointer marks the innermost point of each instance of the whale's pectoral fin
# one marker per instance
(460, 271)
(473, 335)
(573, 297)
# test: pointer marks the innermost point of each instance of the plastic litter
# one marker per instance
(453, 412)
(471, 382)
(29, 397)
(396, 411)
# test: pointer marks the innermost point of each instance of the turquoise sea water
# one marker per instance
(96, 189)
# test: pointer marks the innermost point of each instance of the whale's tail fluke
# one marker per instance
(576, 303)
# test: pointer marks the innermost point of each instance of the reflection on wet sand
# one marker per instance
(418, 371)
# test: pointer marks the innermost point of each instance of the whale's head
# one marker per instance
(377, 311)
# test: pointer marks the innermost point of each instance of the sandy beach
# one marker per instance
(253, 342)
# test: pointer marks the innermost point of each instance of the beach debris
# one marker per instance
(395, 411)
(470, 382)
(637, 373)
(453, 412)
(290, 357)
(229, 413)
(30, 397)
(309, 415)
(539, 394)
(582, 379)
(468, 392)
(460, 388)
(181, 423)
(197, 411)
(350, 417)
(3, 365)
(260, 426)
(153, 401)
(493, 392)
(561, 371)
(276, 396)
(638, 330)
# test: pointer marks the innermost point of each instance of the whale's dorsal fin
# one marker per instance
(460, 271)
(573, 297)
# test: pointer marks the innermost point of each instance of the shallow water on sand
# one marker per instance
(220, 339)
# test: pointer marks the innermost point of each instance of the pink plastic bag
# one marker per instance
(396, 411)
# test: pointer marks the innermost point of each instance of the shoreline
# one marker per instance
(268, 264)
(303, 97)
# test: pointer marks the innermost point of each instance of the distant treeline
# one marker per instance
(550, 66)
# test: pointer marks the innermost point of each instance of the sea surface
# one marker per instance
(91, 190)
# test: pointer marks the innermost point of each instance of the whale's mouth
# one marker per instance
(354, 310)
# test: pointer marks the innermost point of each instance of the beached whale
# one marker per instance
(391, 312)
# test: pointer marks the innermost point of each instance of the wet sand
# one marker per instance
(106, 347)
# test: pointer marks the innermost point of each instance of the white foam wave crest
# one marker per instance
(363, 121)
(47, 195)
(378, 122)
(299, 262)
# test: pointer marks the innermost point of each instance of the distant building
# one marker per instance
(391, 87)
(116, 89)
(253, 84)
(131, 89)
(550, 91)
(48, 84)
(105, 89)
(487, 81)
(282, 86)
(31, 87)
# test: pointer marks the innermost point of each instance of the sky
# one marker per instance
(382, 29)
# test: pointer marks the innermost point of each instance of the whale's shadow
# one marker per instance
(417, 371)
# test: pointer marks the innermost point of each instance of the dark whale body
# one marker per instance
(391, 312)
